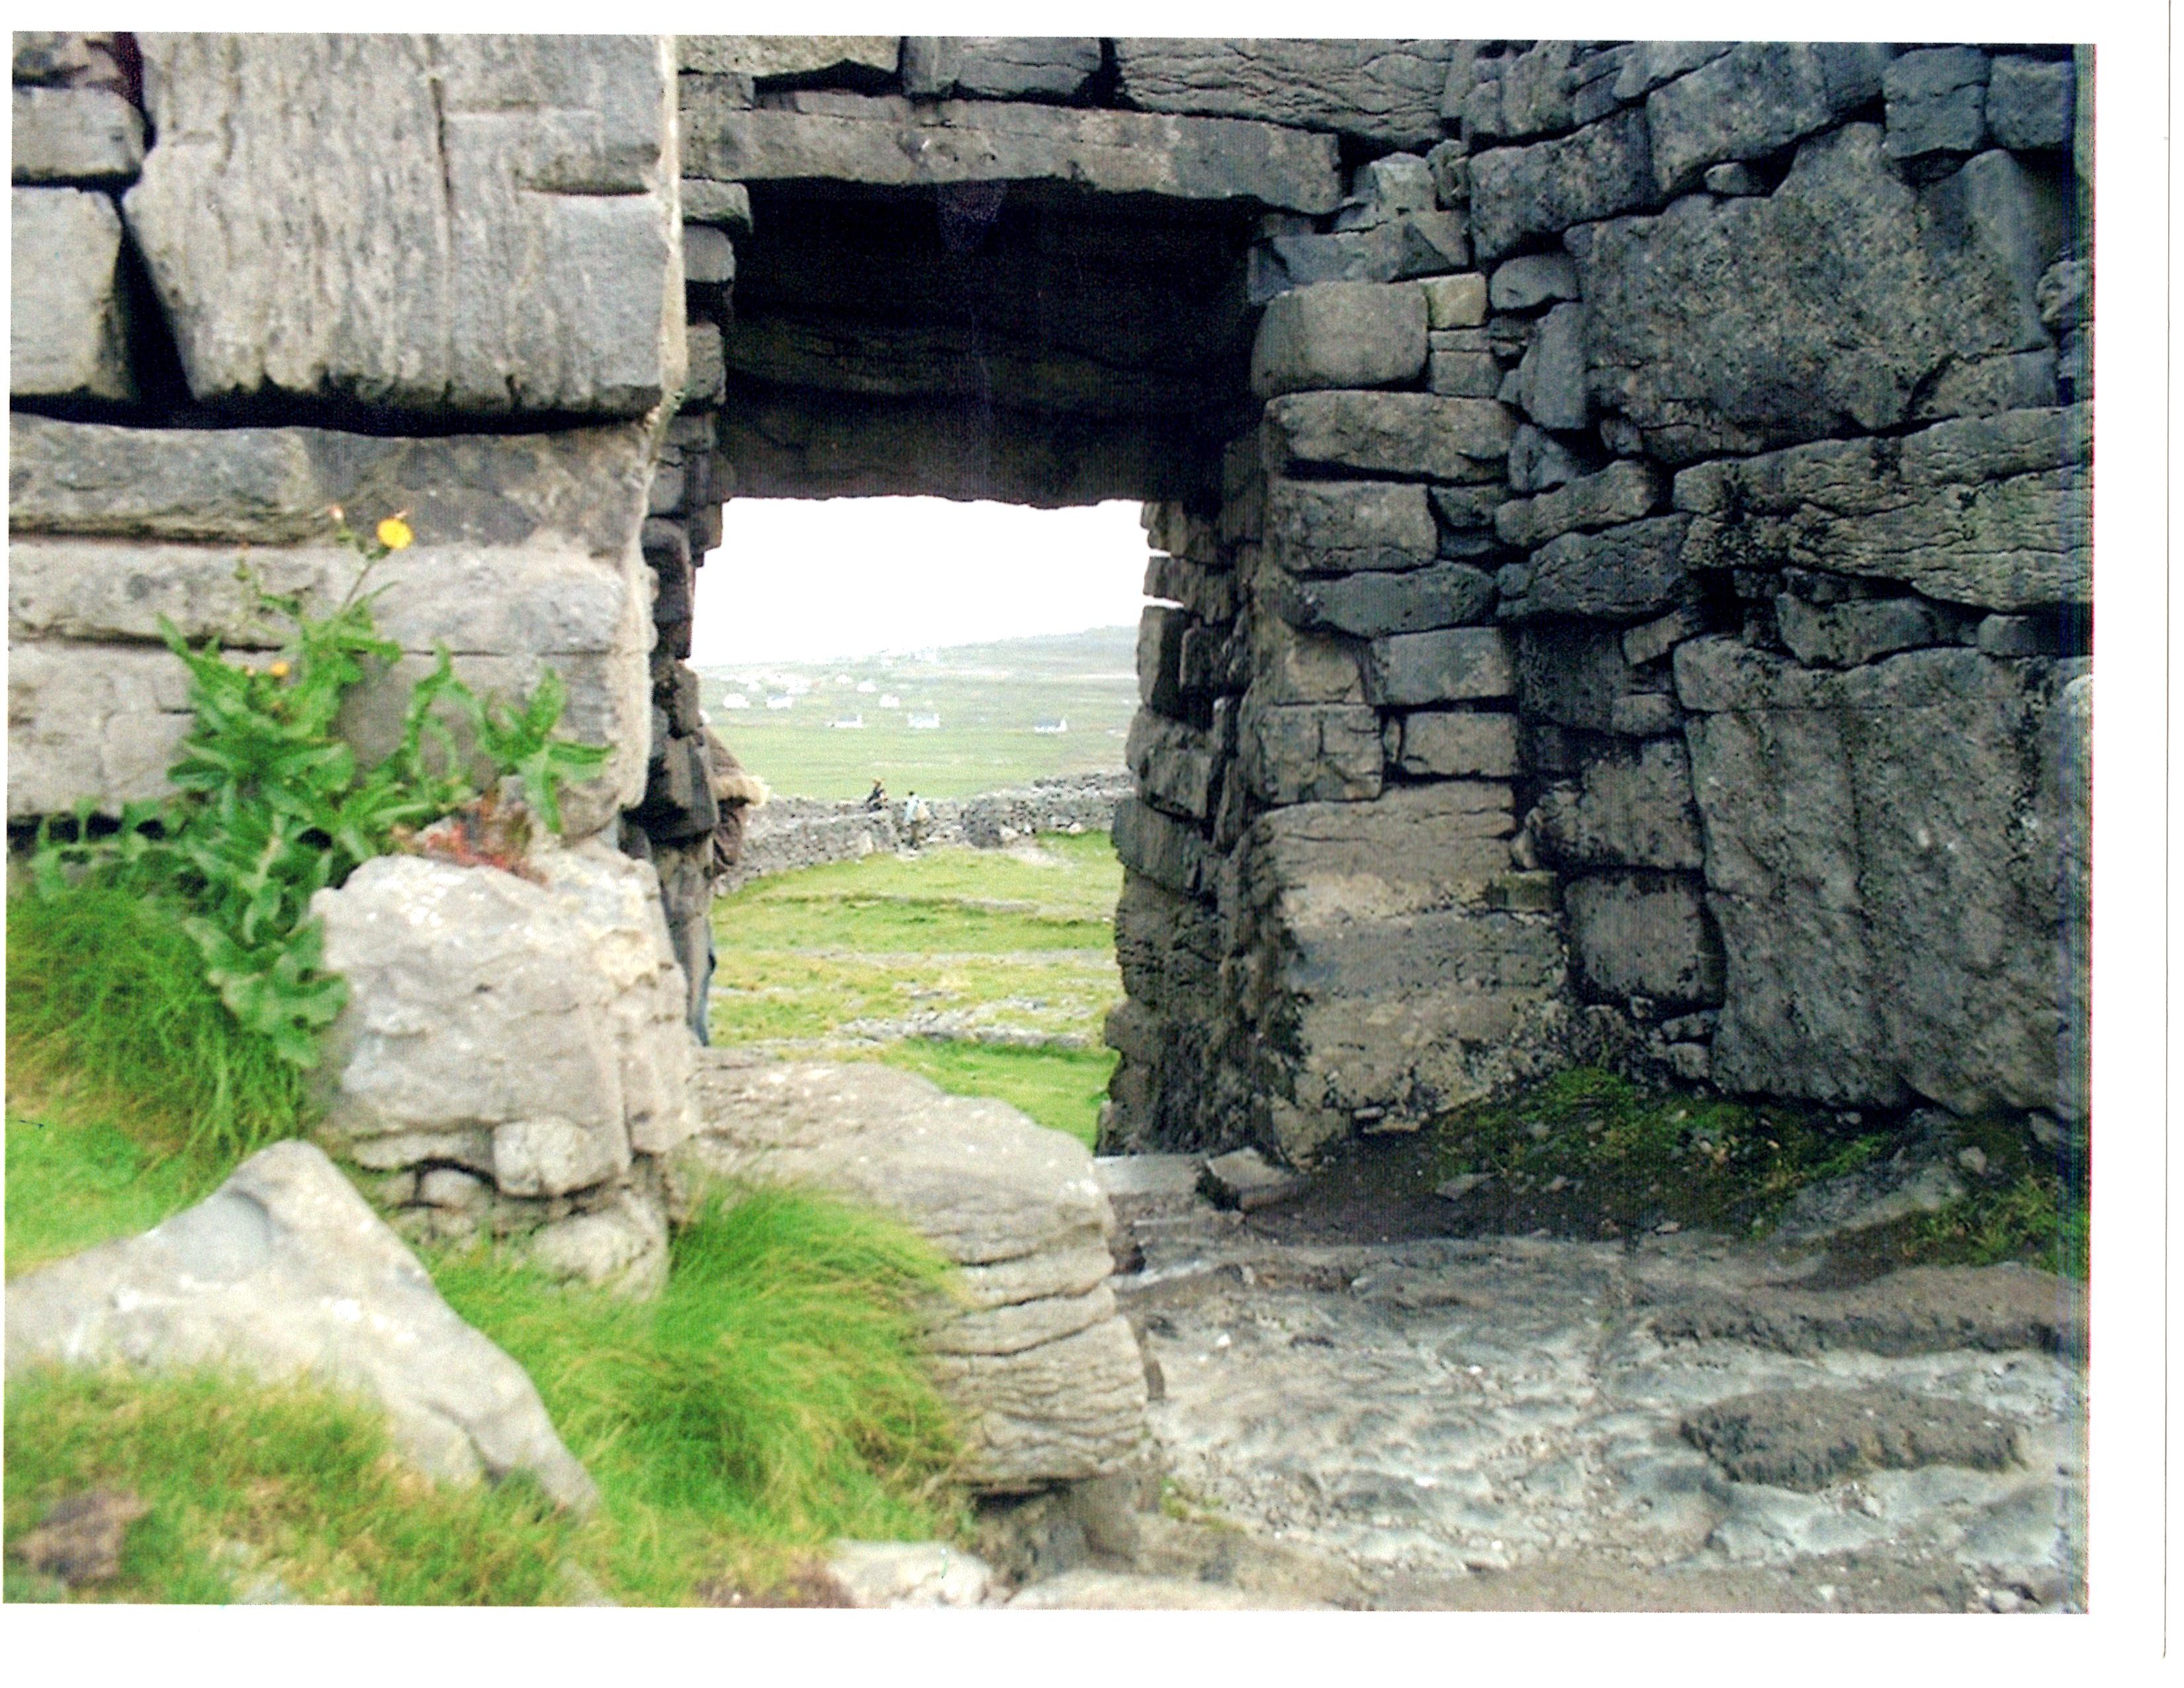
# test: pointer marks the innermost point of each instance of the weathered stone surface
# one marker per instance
(1419, 848)
(101, 721)
(1344, 334)
(491, 215)
(1550, 383)
(284, 1271)
(1936, 101)
(1641, 935)
(68, 58)
(549, 1015)
(78, 135)
(1645, 715)
(1463, 374)
(1571, 674)
(1420, 243)
(708, 259)
(891, 141)
(1883, 856)
(1807, 1439)
(1836, 304)
(1160, 632)
(1656, 639)
(1457, 744)
(1844, 635)
(67, 327)
(2029, 103)
(1175, 765)
(1322, 528)
(1602, 170)
(884, 1575)
(1015, 1204)
(1389, 433)
(1288, 667)
(1454, 666)
(1454, 301)
(1652, 63)
(1756, 98)
(1373, 605)
(998, 67)
(1310, 753)
(1623, 492)
(1169, 852)
(1210, 594)
(1632, 809)
(1539, 461)
(1732, 182)
(1990, 511)
(1621, 575)
(720, 204)
(1386, 91)
(1538, 278)
(762, 56)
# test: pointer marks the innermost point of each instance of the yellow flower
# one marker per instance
(279, 671)
(394, 533)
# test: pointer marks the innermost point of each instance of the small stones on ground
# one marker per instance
(904, 1573)
(1246, 1180)
(80, 1539)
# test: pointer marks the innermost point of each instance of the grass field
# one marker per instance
(989, 698)
(852, 961)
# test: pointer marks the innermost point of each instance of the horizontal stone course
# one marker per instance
(1384, 91)
(1372, 605)
(1623, 492)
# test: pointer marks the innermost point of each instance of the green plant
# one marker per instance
(271, 806)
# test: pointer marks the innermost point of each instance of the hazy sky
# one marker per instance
(803, 579)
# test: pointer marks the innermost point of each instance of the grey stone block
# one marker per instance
(1622, 574)
(1539, 461)
(2064, 295)
(494, 226)
(67, 326)
(1622, 491)
(2016, 635)
(708, 259)
(764, 56)
(1310, 753)
(1457, 744)
(1210, 594)
(1537, 279)
(1550, 383)
(1160, 632)
(1415, 434)
(1454, 301)
(1631, 808)
(1320, 527)
(719, 204)
(1425, 243)
(1175, 765)
(1170, 853)
(1652, 63)
(1601, 170)
(1373, 605)
(1382, 90)
(1645, 715)
(1463, 374)
(1536, 91)
(76, 135)
(1642, 935)
(706, 385)
(1844, 635)
(1458, 665)
(1722, 325)
(1345, 334)
(889, 142)
(1386, 188)
(1656, 639)
(1936, 101)
(2029, 103)
(998, 67)
(1755, 99)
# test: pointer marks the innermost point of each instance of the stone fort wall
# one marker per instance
(1619, 510)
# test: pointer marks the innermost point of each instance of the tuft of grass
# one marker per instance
(2029, 1205)
(276, 1483)
(110, 1017)
(1060, 1089)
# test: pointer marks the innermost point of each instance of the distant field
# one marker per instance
(990, 699)
(841, 963)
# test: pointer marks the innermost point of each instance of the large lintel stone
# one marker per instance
(1383, 90)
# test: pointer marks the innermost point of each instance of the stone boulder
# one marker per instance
(1045, 1370)
(478, 224)
(531, 1035)
(285, 1272)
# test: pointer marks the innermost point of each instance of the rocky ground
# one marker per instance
(1676, 1422)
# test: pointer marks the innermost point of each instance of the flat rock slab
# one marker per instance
(285, 1270)
(1123, 1175)
(1046, 1371)
(1807, 1438)
(888, 142)
(1245, 1178)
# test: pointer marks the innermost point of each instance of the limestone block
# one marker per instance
(998, 67)
(67, 327)
(878, 1575)
(1419, 243)
(1936, 101)
(1641, 935)
(1419, 848)
(1550, 383)
(762, 56)
(1176, 765)
(60, 59)
(1167, 947)
(285, 1272)
(1645, 715)
(1754, 99)
(1536, 279)
(1310, 753)
(551, 1015)
(1463, 374)
(708, 260)
(1382, 90)
(2029, 103)
(1160, 630)
(1623, 492)
(889, 142)
(1725, 325)
(1387, 187)
(1454, 301)
(705, 385)
(1209, 594)
(1411, 434)
(1622, 574)
(1169, 852)
(1656, 639)
(1458, 745)
(1536, 91)
(1456, 665)
(80, 135)
(1601, 170)
(622, 1243)
(1375, 605)
(1343, 334)
(1844, 635)
(1993, 512)
(1539, 461)
(1631, 808)
(103, 721)
(719, 204)
(493, 219)
(1322, 528)
(1883, 855)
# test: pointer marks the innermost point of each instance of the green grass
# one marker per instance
(110, 1016)
(73, 1183)
(2030, 1206)
(833, 963)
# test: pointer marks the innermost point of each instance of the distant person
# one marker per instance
(733, 792)
(916, 817)
(875, 800)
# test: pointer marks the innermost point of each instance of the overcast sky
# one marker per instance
(800, 580)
